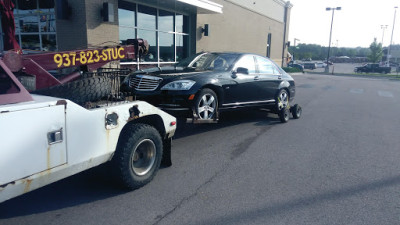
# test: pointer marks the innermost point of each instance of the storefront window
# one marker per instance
(167, 50)
(182, 41)
(165, 31)
(30, 42)
(146, 17)
(165, 21)
(35, 24)
(151, 37)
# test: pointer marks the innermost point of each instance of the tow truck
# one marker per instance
(52, 128)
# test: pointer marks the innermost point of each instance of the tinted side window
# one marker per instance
(247, 61)
(265, 66)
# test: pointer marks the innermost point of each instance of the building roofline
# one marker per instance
(204, 6)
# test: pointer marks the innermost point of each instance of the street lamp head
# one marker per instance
(329, 8)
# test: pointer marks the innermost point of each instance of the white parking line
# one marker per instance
(357, 91)
(386, 94)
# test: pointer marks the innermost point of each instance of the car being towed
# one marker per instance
(206, 83)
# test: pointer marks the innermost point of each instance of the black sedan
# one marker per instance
(207, 83)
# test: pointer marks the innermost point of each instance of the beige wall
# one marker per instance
(100, 33)
(240, 29)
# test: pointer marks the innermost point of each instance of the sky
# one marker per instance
(355, 25)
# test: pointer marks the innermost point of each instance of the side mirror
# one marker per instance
(242, 70)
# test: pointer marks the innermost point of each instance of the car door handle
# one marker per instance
(279, 77)
(256, 78)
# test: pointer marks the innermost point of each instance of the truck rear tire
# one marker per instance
(80, 91)
(138, 155)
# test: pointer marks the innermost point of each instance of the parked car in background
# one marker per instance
(311, 66)
(203, 85)
(372, 68)
(320, 64)
(297, 66)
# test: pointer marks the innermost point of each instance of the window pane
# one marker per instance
(30, 42)
(49, 42)
(265, 66)
(26, 6)
(147, 17)
(182, 23)
(46, 6)
(247, 62)
(125, 34)
(165, 21)
(47, 23)
(29, 23)
(126, 17)
(181, 46)
(150, 36)
(167, 50)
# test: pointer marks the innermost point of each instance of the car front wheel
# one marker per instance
(206, 104)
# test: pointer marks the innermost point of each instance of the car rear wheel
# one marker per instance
(282, 100)
(206, 104)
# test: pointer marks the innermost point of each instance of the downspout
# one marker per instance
(284, 31)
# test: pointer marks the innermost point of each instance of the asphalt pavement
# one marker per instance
(337, 164)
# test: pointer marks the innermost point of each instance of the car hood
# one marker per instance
(174, 73)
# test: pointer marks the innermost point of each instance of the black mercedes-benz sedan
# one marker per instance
(206, 83)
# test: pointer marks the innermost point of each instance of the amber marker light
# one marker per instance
(191, 97)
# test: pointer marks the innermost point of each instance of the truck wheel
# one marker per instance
(138, 155)
(80, 91)
(206, 104)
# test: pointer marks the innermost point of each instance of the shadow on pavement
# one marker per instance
(96, 184)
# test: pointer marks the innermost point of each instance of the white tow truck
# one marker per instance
(44, 139)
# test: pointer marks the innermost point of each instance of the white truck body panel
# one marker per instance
(25, 152)
(28, 162)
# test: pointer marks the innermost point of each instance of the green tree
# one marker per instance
(376, 52)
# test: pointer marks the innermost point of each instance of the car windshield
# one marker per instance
(209, 61)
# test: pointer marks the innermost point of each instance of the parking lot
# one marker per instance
(338, 164)
(343, 68)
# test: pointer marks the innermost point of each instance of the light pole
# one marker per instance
(330, 36)
(383, 27)
(294, 47)
(391, 39)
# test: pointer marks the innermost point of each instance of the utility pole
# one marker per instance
(330, 36)
(391, 39)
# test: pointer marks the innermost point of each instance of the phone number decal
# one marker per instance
(88, 57)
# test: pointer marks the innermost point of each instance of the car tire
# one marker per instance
(206, 104)
(282, 100)
(284, 115)
(80, 91)
(138, 155)
(296, 111)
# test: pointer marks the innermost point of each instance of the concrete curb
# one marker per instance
(390, 77)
